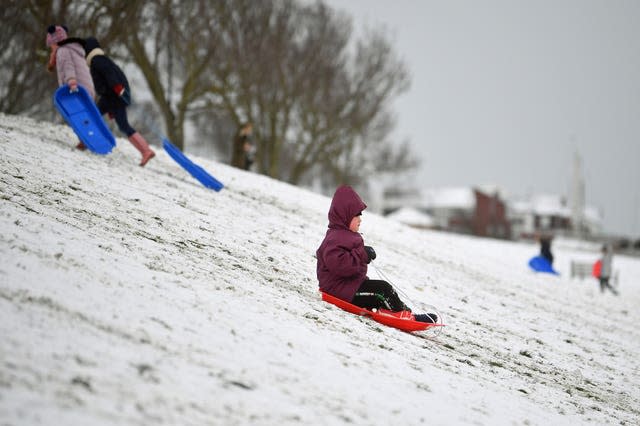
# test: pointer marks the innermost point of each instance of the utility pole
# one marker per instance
(577, 198)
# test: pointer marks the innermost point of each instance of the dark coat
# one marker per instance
(342, 259)
(240, 158)
(545, 249)
(106, 76)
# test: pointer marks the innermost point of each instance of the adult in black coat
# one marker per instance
(114, 94)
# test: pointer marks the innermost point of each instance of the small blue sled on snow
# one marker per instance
(541, 264)
(196, 171)
(80, 112)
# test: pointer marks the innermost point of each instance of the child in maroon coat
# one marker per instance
(342, 259)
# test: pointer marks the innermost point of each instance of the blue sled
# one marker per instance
(81, 113)
(196, 171)
(540, 264)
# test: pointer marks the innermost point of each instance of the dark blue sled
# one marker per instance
(540, 264)
(81, 113)
(196, 171)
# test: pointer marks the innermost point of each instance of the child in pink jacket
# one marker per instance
(67, 58)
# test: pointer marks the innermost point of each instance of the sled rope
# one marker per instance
(423, 306)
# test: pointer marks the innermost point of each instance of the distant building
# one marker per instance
(412, 217)
(463, 210)
(550, 213)
(483, 211)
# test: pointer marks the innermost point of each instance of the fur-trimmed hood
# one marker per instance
(92, 49)
(95, 52)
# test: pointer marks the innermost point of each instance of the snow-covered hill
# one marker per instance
(134, 295)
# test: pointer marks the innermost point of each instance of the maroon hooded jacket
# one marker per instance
(342, 260)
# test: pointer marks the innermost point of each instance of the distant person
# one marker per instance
(342, 260)
(243, 150)
(67, 58)
(545, 248)
(606, 269)
(249, 154)
(114, 94)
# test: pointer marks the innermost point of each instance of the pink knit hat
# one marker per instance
(55, 34)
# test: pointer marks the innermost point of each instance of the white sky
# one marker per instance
(505, 92)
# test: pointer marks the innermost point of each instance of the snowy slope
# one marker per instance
(134, 295)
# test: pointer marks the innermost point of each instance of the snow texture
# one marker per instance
(134, 295)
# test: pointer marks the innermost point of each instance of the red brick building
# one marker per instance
(469, 211)
(490, 216)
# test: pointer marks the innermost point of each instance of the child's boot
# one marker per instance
(428, 318)
(141, 145)
(81, 146)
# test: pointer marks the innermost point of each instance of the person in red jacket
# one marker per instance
(343, 258)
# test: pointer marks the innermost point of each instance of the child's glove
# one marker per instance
(122, 92)
(370, 252)
(73, 85)
(51, 65)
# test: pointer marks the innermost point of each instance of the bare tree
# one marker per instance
(22, 49)
(23, 54)
(169, 45)
(319, 102)
(286, 68)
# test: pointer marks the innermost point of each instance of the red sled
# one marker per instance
(401, 320)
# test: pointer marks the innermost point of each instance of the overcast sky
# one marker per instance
(505, 92)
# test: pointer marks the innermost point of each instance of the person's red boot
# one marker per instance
(141, 145)
(146, 157)
(81, 146)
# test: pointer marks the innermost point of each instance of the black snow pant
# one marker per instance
(119, 113)
(547, 255)
(378, 294)
(604, 284)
